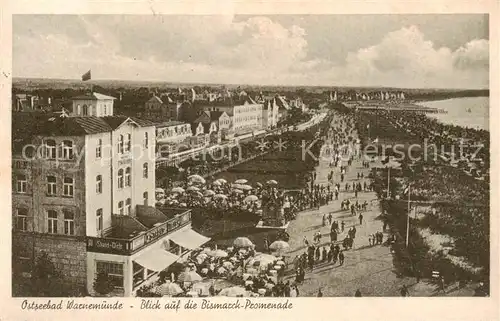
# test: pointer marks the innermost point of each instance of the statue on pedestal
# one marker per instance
(272, 207)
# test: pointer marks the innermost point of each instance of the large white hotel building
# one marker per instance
(84, 193)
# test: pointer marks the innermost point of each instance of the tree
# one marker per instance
(103, 284)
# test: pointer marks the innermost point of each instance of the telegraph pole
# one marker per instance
(408, 217)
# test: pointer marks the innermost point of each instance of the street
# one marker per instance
(367, 268)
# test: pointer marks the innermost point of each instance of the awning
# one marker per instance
(189, 239)
(156, 259)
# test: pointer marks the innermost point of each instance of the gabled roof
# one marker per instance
(215, 115)
(155, 99)
(93, 96)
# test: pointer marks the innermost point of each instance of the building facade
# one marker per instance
(95, 104)
(84, 194)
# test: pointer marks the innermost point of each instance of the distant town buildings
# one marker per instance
(352, 95)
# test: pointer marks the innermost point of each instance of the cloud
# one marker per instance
(405, 58)
(221, 49)
(474, 55)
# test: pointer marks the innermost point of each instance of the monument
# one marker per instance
(272, 208)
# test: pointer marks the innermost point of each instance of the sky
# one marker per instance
(408, 51)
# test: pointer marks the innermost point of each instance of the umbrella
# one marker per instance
(196, 193)
(246, 187)
(237, 191)
(242, 242)
(202, 256)
(269, 285)
(261, 259)
(237, 186)
(279, 246)
(218, 253)
(220, 196)
(227, 265)
(190, 276)
(168, 289)
(249, 282)
(262, 291)
(233, 291)
(272, 182)
(217, 183)
(221, 181)
(177, 190)
(251, 198)
(221, 270)
(259, 184)
(183, 205)
(192, 189)
(209, 192)
(280, 263)
(246, 276)
(196, 179)
(241, 181)
(204, 271)
(277, 267)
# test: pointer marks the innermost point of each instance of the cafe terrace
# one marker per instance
(138, 247)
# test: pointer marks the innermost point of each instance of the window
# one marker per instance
(127, 143)
(145, 170)
(146, 140)
(99, 220)
(68, 187)
(85, 110)
(114, 271)
(120, 207)
(120, 178)
(128, 206)
(120, 144)
(145, 198)
(67, 149)
(51, 185)
(98, 184)
(98, 149)
(21, 184)
(22, 219)
(50, 149)
(105, 114)
(127, 176)
(69, 223)
(52, 222)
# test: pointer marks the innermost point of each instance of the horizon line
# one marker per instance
(248, 84)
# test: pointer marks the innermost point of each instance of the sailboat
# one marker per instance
(468, 110)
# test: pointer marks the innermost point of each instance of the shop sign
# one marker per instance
(107, 245)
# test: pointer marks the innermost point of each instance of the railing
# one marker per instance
(128, 246)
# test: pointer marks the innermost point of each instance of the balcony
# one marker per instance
(130, 234)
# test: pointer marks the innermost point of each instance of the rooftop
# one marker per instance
(93, 96)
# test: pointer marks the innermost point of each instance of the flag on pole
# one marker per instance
(375, 141)
(86, 76)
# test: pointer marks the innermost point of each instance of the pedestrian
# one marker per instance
(404, 291)
(333, 236)
(320, 294)
(342, 226)
(336, 195)
(370, 239)
(358, 293)
(324, 219)
(330, 218)
(341, 257)
(441, 284)
(356, 193)
(306, 242)
(317, 255)
(354, 232)
(360, 219)
(324, 257)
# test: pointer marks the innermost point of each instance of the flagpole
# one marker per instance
(408, 217)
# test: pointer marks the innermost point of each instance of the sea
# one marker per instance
(458, 111)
